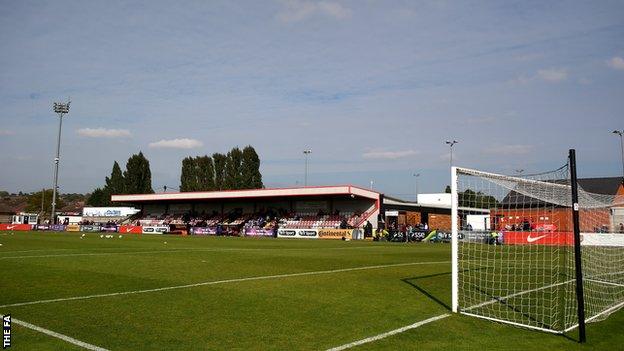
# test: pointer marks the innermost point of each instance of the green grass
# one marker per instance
(306, 312)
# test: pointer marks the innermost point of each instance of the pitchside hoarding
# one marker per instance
(204, 230)
(258, 232)
(155, 230)
(538, 238)
(90, 228)
(335, 233)
(131, 229)
(298, 233)
(20, 227)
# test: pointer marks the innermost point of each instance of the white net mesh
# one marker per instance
(515, 256)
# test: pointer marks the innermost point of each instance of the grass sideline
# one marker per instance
(289, 311)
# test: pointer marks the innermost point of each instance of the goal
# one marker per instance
(536, 251)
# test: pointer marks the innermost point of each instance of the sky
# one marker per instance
(373, 88)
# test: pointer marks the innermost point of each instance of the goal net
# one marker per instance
(513, 249)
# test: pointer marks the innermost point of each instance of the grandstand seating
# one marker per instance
(259, 220)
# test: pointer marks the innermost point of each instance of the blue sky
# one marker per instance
(373, 88)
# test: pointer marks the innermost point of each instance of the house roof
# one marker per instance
(602, 186)
(4, 208)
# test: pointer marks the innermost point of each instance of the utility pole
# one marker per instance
(61, 109)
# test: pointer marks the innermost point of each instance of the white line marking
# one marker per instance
(604, 282)
(390, 333)
(215, 282)
(100, 254)
(58, 335)
(180, 250)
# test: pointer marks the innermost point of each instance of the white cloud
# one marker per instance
(334, 9)
(103, 133)
(6, 132)
(529, 57)
(480, 120)
(517, 149)
(298, 10)
(388, 155)
(183, 143)
(616, 63)
(553, 74)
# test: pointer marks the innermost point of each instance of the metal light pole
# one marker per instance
(61, 109)
(306, 153)
(416, 175)
(450, 144)
(620, 133)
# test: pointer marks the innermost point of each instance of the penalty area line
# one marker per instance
(226, 281)
(389, 333)
(60, 336)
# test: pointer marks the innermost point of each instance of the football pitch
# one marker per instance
(151, 292)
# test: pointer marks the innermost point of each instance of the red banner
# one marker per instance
(130, 229)
(538, 238)
(22, 227)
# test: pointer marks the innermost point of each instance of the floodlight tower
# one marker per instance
(621, 133)
(61, 109)
(306, 153)
(416, 175)
(450, 144)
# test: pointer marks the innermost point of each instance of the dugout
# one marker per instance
(435, 215)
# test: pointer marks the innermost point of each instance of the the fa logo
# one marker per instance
(6, 331)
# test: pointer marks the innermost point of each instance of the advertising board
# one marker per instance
(72, 228)
(204, 231)
(20, 227)
(130, 229)
(155, 230)
(298, 233)
(335, 233)
(258, 232)
(538, 238)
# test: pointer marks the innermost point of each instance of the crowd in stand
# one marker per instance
(235, 220)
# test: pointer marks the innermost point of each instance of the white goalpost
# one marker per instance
(536, 251)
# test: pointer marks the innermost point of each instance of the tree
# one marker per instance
(137, 176)
(34, 201)
(219, 170)
(187, 176)
(205, 173)
(98, 198)
(115, 184)
(472, 199)
(251, 178)
(233, 169)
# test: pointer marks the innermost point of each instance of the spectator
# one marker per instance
(368, 229)
(343, 224)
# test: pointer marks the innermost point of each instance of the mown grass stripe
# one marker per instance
(216, 282)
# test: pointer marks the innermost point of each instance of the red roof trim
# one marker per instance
(263, 189)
